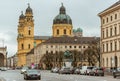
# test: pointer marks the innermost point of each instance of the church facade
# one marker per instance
(26, 39)
(31, 48)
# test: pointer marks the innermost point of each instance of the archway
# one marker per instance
(1, 60)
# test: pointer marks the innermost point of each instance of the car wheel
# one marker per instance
(102, 75)
(39, 78)
(114, 76)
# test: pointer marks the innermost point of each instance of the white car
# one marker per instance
(86, 69)
(24, 69)
(3, 69)
(55, 70)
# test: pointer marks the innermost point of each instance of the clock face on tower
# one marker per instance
(29, 28)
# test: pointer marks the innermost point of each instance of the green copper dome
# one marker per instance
(77, 30)
(62, 17)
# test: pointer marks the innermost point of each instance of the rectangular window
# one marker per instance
(110, 31)
(111, 18)
(115, 16)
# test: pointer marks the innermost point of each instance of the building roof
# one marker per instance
(72, 40)
(77, 30)
(62, 17)
(112, 6)
(42, 37)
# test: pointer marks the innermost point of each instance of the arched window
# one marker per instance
(57, 31)
(22, 46)
(28, 46)
(46, 52)
(29, 32)
(65, 31)
(70, 32)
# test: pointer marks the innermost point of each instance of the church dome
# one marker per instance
(62, 17)
(22, 16)
(79, 30)
(28, 9)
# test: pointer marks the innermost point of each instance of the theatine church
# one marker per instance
(63, 37)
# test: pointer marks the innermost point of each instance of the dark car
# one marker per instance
(32, 74)
(97, 71)
(116, 72)
(66, 70)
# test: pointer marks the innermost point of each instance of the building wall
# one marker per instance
(39, 52)
(110, 36)
(3, 51)
(61, 28)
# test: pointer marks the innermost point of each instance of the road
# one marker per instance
(14, 75)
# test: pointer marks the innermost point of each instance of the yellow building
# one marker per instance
(26, 39)
(62, 26)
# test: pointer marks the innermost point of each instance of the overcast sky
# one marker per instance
(82, 12)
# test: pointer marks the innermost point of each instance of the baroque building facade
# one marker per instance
(26, 39)
(50, 53)
(54, 48)
(110, 36)
(62, 26)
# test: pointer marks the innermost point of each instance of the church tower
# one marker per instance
(25, 37)
(62, 24)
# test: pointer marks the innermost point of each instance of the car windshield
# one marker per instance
(32, 71)
(25, 68)
(100, 68)
(89, 67)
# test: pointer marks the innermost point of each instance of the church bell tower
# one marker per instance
(25, 38)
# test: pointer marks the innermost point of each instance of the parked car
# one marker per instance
(86, 69)
(97, 71)
(66, 70)
(32, 74)
(116, 72)
(55, 70)
(3, 69)
(24, 69)
(77, 70)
